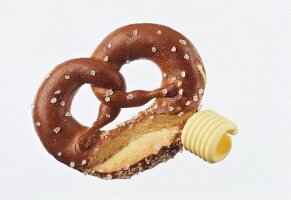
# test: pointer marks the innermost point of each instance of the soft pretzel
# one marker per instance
(151, 137)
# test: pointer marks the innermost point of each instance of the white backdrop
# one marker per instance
(246, 48)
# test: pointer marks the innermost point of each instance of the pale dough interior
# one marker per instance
(145, 138)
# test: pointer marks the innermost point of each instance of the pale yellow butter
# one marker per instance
(207, 135)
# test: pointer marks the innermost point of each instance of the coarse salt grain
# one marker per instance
(105, 58)
(57, 129)
(186, 56)
(164, 91)
(181, 92)
(134, 32)
(72, 164)
(173, 49)
(183, 74)
(67, 114)
(130, 96)
(107, 99)
(53, 100)
(93, 72)
(109, 45)
(195, 98)
(182, 41)
(62, 103)
(109, 92)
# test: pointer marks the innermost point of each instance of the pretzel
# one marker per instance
(151, 137)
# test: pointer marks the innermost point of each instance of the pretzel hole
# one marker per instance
(85, 106)
(141, 75)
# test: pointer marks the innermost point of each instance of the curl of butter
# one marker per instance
(207, 135)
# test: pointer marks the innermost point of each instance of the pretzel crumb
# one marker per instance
(126, 167)
(173, 79)
(156, 106)
(104, 135)
(108, 176)
(199, 66)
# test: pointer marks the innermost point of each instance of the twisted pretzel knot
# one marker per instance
(182, 86)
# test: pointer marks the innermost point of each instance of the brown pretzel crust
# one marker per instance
(91, 150)
(163, 155)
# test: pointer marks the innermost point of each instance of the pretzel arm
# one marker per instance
(134, 98)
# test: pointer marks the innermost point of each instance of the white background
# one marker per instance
(246, 48)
